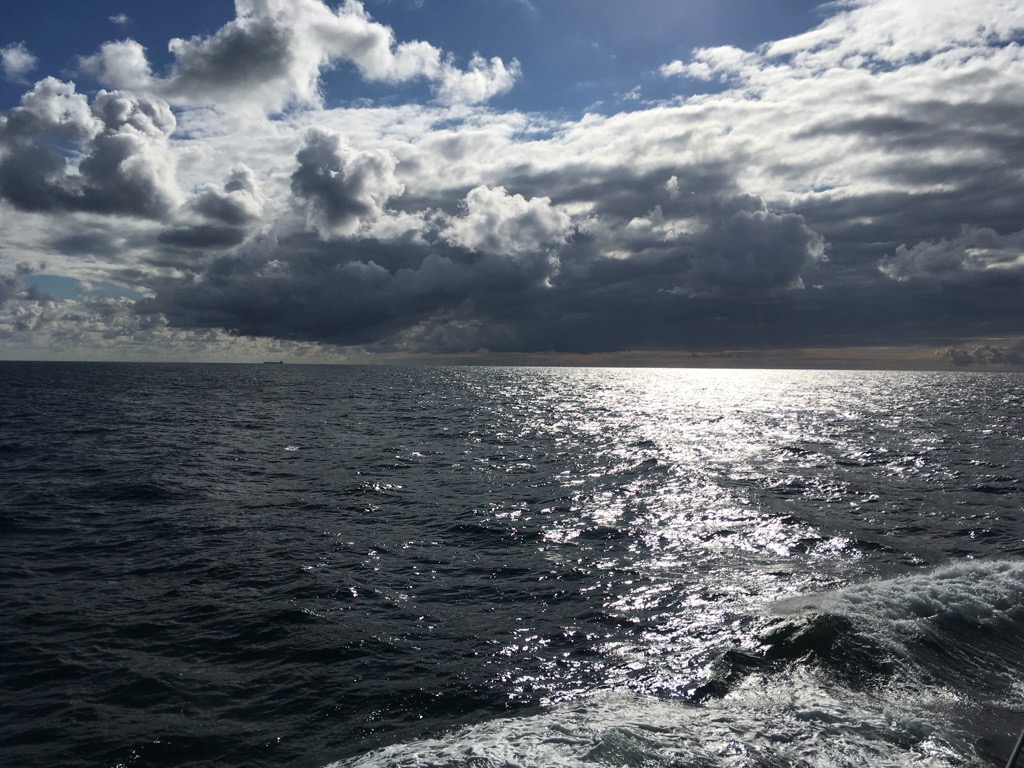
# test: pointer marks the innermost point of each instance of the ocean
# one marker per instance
(359, 567)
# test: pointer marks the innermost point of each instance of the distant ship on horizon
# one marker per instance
(273, 362)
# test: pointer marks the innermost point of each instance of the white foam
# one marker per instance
(981, 593)
(791, 721)
(793, 715)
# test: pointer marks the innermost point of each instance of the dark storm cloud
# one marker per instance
(37, 294)
(753, 248)
(473, 287)
(8, 288)
(203, 236)
(334, 292)
(126, 167)
(986, 354)
(94, 239)
(907, 234)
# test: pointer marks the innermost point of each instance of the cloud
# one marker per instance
(700, 222)
(974, 251)
(238, 202)
(252, 59)
(58, 153)
(273, 53)
(893, 33)
(120, 64)
(317, 292)
(202, 236)
(985, 354)
(750, 248)
(498, 223)
(480, 82)
(723, 61)
(33, 325)
(698, 70)
(16, 61)
(8, 288)
(340, 188)
(872, 126)
(506, 273)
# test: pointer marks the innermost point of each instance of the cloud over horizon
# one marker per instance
(855, 183)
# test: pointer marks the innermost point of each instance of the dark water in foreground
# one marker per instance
(277, 565)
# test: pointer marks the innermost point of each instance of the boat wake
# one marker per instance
(912, 671)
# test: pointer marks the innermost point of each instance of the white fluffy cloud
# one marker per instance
(723, 61)
(59, 153)
(16, 61)
(272, 55)
(699, 70)
(121, 64)
(881, 98)
(898, 32)
(498, 223)
(480, 82)
(876, 36)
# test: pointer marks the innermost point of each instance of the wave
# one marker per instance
(794, 725)
(960, 625)
(911, 671)
(974, 593)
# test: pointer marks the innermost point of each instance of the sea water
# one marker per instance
(216, 565)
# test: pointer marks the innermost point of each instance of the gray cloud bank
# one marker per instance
(859, 184)
(986, 355)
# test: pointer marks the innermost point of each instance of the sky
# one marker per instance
(495, 179)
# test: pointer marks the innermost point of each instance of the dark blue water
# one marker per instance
(279, 565)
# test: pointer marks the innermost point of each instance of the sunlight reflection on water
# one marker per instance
(676, 502)
(452, 546)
